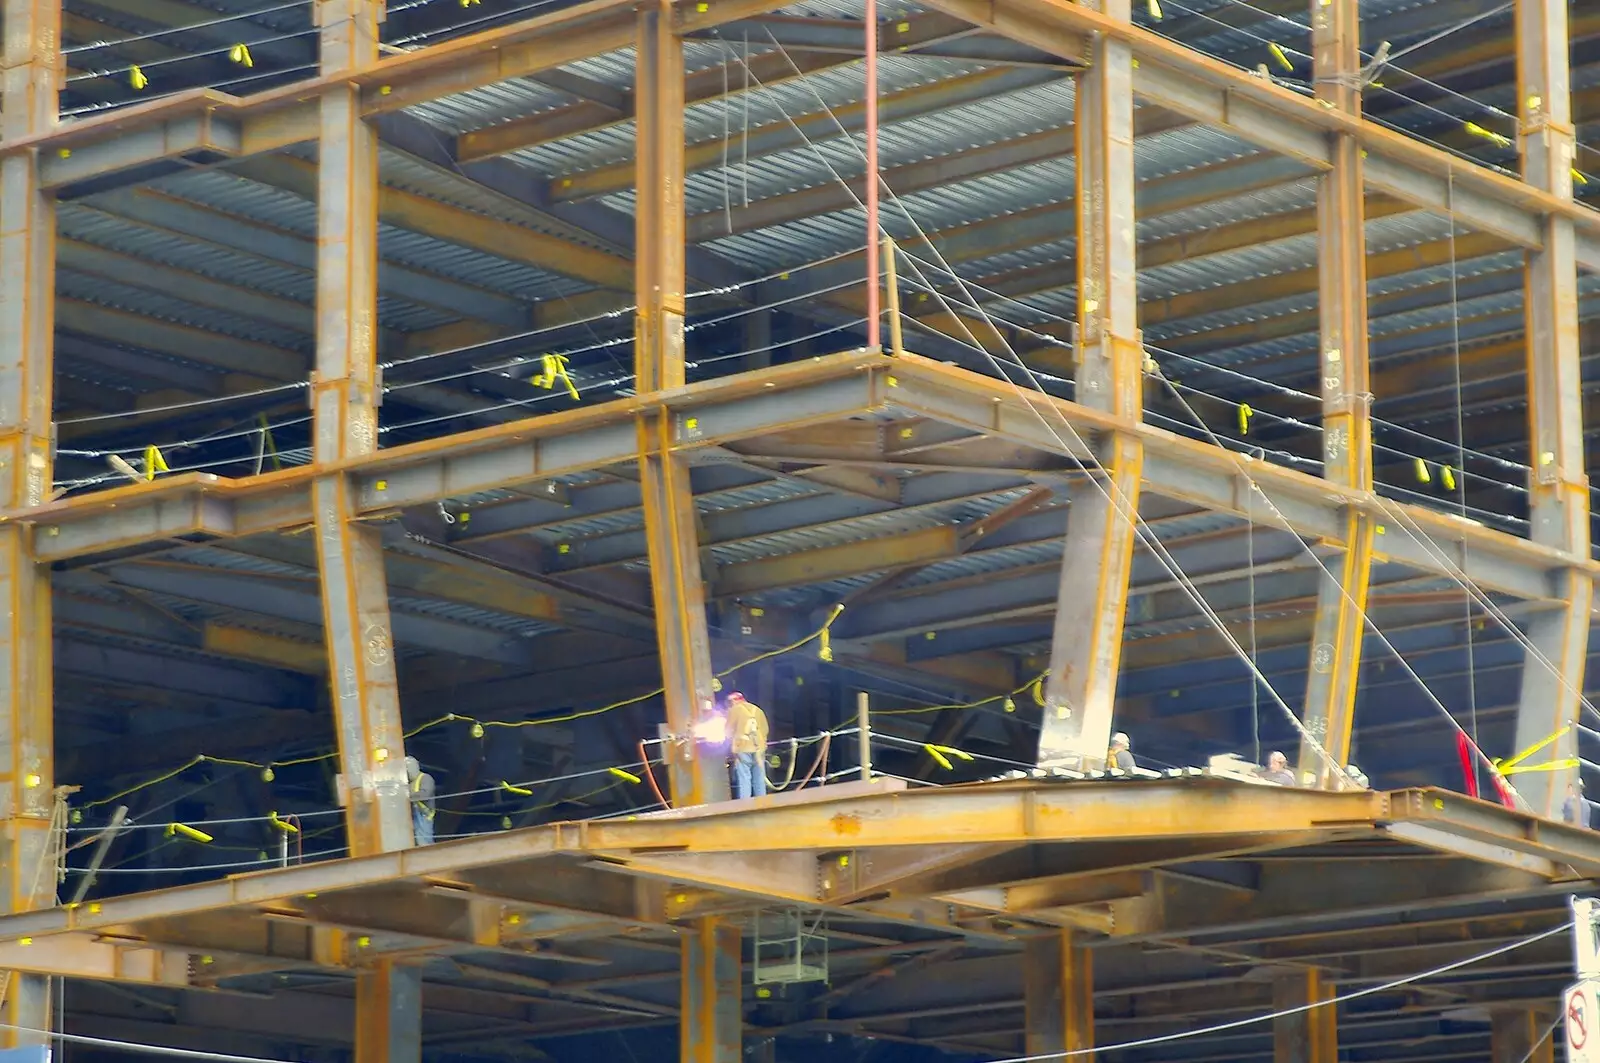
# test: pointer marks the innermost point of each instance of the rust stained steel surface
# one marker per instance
(204, 120)
(1134, 818)
(1180, 79)
(344, 390)
(1553, 669)
(1339, 629)
(29, 78)
(822, 391)
(1092, 599)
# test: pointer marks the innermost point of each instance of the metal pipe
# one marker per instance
(891, 283)
(874, 326)
(864, 735)
(101, 847)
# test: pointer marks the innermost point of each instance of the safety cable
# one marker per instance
(1331, 578)
(468, 348)
(303, 454)
(1109, 489)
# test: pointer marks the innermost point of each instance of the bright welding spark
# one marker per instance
(712, 730)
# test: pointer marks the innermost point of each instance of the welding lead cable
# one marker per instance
(1108, 489)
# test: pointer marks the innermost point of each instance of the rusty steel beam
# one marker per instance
(345, 394)
(704, 416)
(1340, 625)
(1058, 996)
(29, 84)
(712, 1018)
(1207, 90)
(1305, 1036)
(389, 1013)
(1553, 668)
(270, 121)
(83, 956)
(1146, 818)
(670, 519)
(1092, 600)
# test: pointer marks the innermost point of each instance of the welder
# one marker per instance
(747, 736)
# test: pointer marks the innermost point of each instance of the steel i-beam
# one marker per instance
(388, 1013)
(1102, 525)
(1552, 672)
(1521, 1036)
(1340, 622)
(29, 84)
(671, 532)
(1058, 995)
(712, 1013)
(659, 270)
(345, 390)
(1310, 1032)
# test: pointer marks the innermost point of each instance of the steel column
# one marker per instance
(389, 1013)
(659, 273)
(1102, 527)
(671, 531)
(1310, 1036)
(1552, 674)
(29, 82)
(712, 1010)
(355, 596)
(1521, 1036)
(1340, 623)
(1058, 995)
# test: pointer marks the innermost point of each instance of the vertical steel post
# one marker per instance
(659, 276)
(345, 396)
(1310, 1035)
(1521, 1036)
(346, 392)
(388, 1013)
(671, 531)
(1552, 672)
(30, 72)
(1086, 648)
(1058, 995)
(1340, 623)
(870, 51)
(711, 1015)
(864, 733)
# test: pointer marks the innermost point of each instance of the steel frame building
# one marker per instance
(1197, 352)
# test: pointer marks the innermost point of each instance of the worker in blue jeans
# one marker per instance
(747, 732)
(423, 801)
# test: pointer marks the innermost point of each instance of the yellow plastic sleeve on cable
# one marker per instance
(628, 775)
(1497, 139)
(188, 832)
(518, 790)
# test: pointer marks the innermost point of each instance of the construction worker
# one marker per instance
(1120, 756)
(747, 735)
(422, 801)
(1278, 770)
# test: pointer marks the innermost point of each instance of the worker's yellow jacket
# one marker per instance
(747, 727)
